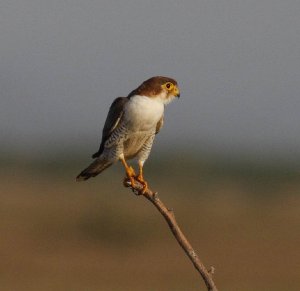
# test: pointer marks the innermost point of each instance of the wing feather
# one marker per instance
(159, 125)
(113, 118)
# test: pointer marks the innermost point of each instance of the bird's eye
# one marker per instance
(169, 85)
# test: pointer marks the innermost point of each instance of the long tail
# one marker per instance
(95, 168)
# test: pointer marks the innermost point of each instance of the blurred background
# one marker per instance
(227, 160)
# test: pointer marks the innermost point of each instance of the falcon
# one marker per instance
(130, 128)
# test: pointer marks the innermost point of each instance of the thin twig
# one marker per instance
(180, 237)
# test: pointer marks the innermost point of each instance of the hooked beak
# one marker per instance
(177, 92)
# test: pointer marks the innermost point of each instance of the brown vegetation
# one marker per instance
(60, 235)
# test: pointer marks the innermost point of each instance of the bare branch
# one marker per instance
(180, 237)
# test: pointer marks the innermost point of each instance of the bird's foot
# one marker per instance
(141, 179)
(130, 173)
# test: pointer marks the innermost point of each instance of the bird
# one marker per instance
(130, 128)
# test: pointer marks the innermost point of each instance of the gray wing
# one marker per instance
(112, 121)
(159, 125)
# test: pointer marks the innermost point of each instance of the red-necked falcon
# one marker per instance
(131, 126)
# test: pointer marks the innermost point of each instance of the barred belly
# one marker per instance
(134, 144)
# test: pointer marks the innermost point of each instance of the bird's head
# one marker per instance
(161, 88)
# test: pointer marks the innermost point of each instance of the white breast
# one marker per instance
(143, 113)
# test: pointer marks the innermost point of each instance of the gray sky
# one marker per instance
(237, 63)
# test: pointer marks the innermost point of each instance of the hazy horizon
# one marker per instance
(237, 64)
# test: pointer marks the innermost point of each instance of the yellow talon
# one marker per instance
(129, 172)
(141, 179)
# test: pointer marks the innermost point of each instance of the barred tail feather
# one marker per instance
(93, 169)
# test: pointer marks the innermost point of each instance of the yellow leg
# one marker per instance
(141, 179)
(129, 171)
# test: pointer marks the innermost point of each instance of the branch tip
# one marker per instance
(168, 214)
(211, 270)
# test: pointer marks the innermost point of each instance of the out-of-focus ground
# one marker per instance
(242, 217)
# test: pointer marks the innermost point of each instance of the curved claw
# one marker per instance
(127, 182)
